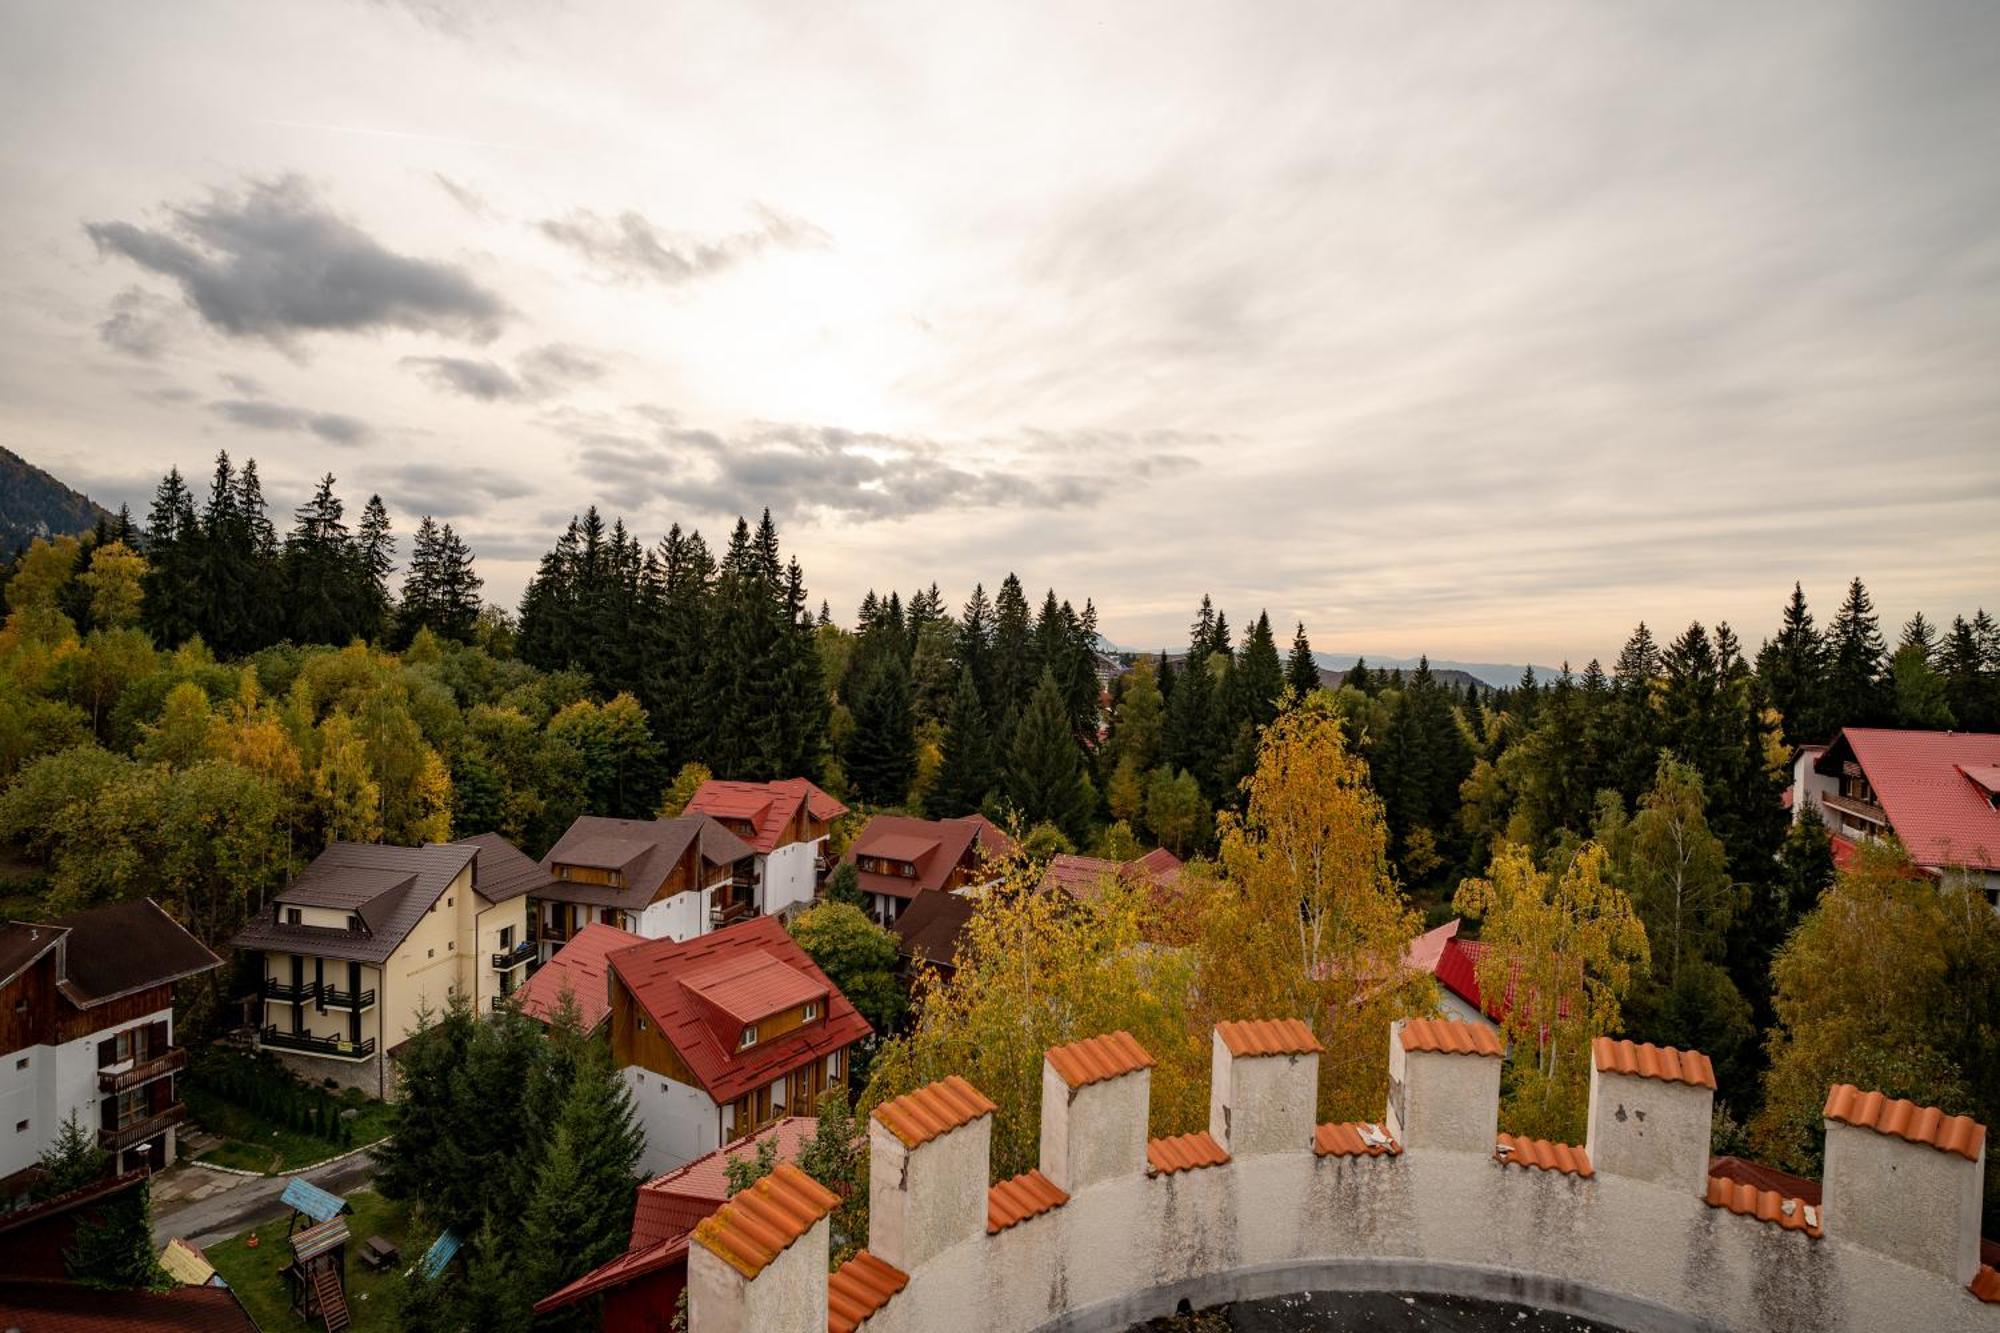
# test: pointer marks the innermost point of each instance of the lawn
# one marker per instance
(257, 1275)
(253, 1143)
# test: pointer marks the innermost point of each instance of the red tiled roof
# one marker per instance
(580, 966)
(1843, 851)
(656, 970)
(1268, 1036)
(1186, 1152)
(1742, 1171)
(1514, 1150)
(671, 1204)
(748, 990)
(761, 1223)
(1906, 1120)
(859, 1288)
(1921, 782)
(1354, 1139)
(1986, 1284)
(936, 1108)
(933, 846)
(1441, 1034)
(771, 807)
(1095, 1059)
(1644, 1060)
(632, 1264)
(1083, 877)
(1792, 1214)
(1027, 1195)
(65, 1307)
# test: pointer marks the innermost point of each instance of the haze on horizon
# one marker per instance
(1477, 331)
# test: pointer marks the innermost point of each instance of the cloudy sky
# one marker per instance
(1475, 329)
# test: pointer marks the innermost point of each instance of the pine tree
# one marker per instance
(1045, 768)
(1794, 669)
(317, 569)
(1259, 678)
(1013, 657)
(578, 1212)
(1358, 677)
(679, 648)
(374, 560)
(975, 640)
(880, 755)
(1918, 632)
(262, 574)
(1855, 693)
(172, 582)
(969, 773)
(1301, 668)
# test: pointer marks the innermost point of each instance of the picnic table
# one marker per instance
(378, 1253)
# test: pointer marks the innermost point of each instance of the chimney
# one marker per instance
(758, 1264)
(929, 1155)
(1904, 1180)
(1444, 1085)
(1096, 1095)
(1650, 1113)
(1263, 1088)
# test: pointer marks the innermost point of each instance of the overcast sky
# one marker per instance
(1481, 330)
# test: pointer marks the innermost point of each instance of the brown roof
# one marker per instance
(1906, 1120)
(1643, 1060)
(644, 851)
(936, 1108)
(501, 871)
(859, 1288)
(932, 846)
(1186, 1152)
(1516, 1150)
(1440, 1034)
(1027, 1195)
(1084, 877)
(1095, 1059)
(1268, 1036)
(64, 1307)
(389, 888)
(1793, 1214)
(930, 926)
(126, 947)
(21, 943)
(1354, 1139)
(761, 1222)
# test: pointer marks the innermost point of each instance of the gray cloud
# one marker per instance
(274, 262)
(257, 414)
(629, 247)
(542, 371)
(464, 196)
(448, 492)
(141, 324)
(557, 364)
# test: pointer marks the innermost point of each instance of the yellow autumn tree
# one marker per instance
(114, 579)
(344, 787)
(1562, 947)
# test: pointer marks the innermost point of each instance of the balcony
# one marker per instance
(302, 993)
(346, 999)
(145, 1071)
(138, 1131)
(512, 958)
(336, 1048)
(500, 1003)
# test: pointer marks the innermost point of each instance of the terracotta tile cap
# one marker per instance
(1187, 1152)
(858, 1288)
(758, 1225)
(1764, 1205)
(1095, 1059)
(1906, 1120)
(1986, 1284)
(1514, 1150)
(1269, 1036)
(1451, 1038)
(1644, 1060)
(1027, 1195)
(936, 1108)
(1357, 1138)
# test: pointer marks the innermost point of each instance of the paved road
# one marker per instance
(249, 1202)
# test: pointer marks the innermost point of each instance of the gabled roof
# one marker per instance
(1083, 877)
(748, 990)
(126, 947)
(389, 888)
(769, 806)
(657, 973)
(929, 927)
(1929, 784)
(66, 1307)
(22, 944)
(643, 851)
(933, 846)
(501, 871)
(581, 967)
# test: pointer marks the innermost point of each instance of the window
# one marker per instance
(506, 938)
(21, 1063)
(450, 901)
(20, 1126)
(353, 921)
(749, 1037)
(449, 945)
(430, 953)
(811, 1011)
(833, 1065)
(293, 916)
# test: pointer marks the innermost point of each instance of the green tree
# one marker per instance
(1045, 769)
(115, 581)
(858, 956)
(579, 1210)
(1855, 693)
(969, 773)
(1794, 669)
(1301, 667)
(71, 1161)
(1176, 812)
(691, 778)
(881, 757)
(1919, 691)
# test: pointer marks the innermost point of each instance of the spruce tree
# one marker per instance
(374, 560)
(1258, 678)
(1918, 632)
(1045, 768)
(172, 582)
(1301, 668)
(1794, 670)
(578, 1212)
(1013, 656)
(1855, 692)
(969, 773)
(317, 570)
(975, 641)
(880, 756)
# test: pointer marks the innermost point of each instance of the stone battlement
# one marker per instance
(1626, 1228)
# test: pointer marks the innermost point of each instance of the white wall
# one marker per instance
(1808, 783)
(680, 1123)
(57, 1081)
(681, 917)
(787, 876)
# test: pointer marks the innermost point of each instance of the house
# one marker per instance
(660, 879)
(579, 967)
(1083, 877)
(87, 1029)
(369, 937)
(787, 825)
(898, 857)
(641, 1287)
(927, 933)
(1937, 791)
(1455, 964)
(720, 1035)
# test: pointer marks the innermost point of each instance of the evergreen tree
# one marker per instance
(1045, 779)
(1856, 696)
(318, 571)
(374, 560)
(969, 773)
(1258, 677)
(1013, 658)
(1969, 683)
(881, 756)
(1301, 668)
(579, 1209)
(1919, 633)
(1358, 677)
(1794, 670)
(679, 647)
(172, 582)
(975, 640)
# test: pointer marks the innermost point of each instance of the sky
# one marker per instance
(1481, 331)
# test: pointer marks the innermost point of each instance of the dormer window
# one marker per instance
(294, 916)
(810, 1012)
(353, 922)
(749, 1037)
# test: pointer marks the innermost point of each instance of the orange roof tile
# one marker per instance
(1906, 1120)
(1095, 1059)
(1027, 1195)
(1644, 1060)
(1354, 1139)
(761, 1222)
(1514, 1150)
(1442, 1034)
(1764, 1205)
(1986, 1284)
(936, 1108)
(1269, 1036)
(858, 1288)
(1188, 1152)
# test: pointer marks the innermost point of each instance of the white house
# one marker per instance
(660, 879)
(786, 824)
(1937, 791)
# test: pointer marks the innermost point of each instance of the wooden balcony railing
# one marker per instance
(508, 959)
(302, 993)
(145, 1071)
(138, 1131)
(338, 1048)
(347, 999)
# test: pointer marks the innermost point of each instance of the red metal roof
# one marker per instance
(1083, 877)
(656, 970)
(1515, 1150)
(859, 1288)
(1906, 1120)
(1792, 1214)
(671, 1204)
(1185, 1152)
(936, 1108)
(1027, 1195)
(1843, 852)
(933, 846)
(748, 990)
(1644, 1060)
(1096, 1059)
(1943, 816)
(1441, 1034)
(65, 1307)
(626, 1267)
(771, 807)
(1268, 1036)
(761, 1223)
(580, 966)
(1354, 1139)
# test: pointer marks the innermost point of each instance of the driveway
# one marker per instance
(201, 1205)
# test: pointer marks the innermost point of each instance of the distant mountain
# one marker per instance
(1496, 675)
(34, 504)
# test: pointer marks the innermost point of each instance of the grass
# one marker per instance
(257, 1275)
(253, 1143)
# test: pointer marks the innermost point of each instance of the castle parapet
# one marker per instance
(929, 1154)
(1904, 1180)
(1095, 1098)
(1263, 1086)
(1444, 1085)
(1651, 1112)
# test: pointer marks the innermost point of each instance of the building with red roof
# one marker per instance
(1936, 791)
(661, 879)
(1455, 964)
(786, 824)
(897, 857)
(721, 1035)
(1084, 877)
(579, 967)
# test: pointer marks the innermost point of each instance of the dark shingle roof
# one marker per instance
(502, 871)
(929, 927)
(126, 947)
(389, 888)
(644, 850)
(21, 943)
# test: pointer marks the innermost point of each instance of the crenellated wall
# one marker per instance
(1626, 1228)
